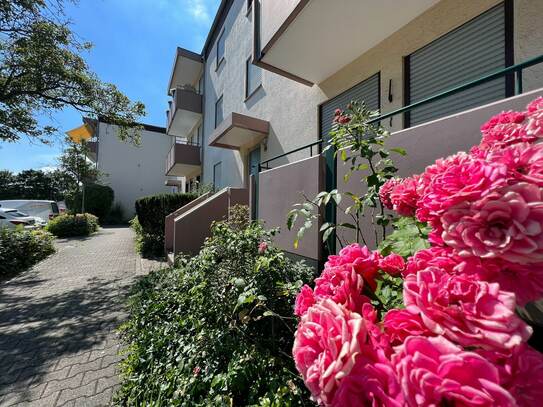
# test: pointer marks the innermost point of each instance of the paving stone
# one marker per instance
(58, 345)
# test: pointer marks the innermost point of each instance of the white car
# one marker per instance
(11, 218)
(43, 209)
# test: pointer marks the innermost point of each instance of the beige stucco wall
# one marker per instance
(275, 12)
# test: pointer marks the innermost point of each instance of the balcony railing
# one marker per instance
(183, 159)
(185, 110)
(511, 70)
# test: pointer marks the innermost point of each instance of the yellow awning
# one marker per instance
(80, 133)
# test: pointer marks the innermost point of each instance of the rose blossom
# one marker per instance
(441, 257)
(304, 300)
(404, 196)
(505, 129)
(467, 180)
(364, 261)
(400, 323)
(262, 247)
(464, 310)
(329, 341)
(393, 264)
(535, 118)
(525, 379)
(524, 162)
(436, 372)
(369, 384)
(343, 285)
(507, 224)
(386, 190)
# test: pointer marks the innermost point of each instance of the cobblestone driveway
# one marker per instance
(58, 345)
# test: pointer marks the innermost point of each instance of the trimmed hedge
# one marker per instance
(98, 200)
(21, 249)
(82, 224)
(151, 213)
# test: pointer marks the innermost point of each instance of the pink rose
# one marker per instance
(369, 384)
(405, 195)
(441, 257)
(386, 190)
(507, 224)
(534, 127)
(262, 247)
(467, 180)
(343, 285)
(400, 323)
(364, 261)
(464, 310)
(525, 379)
(393, 264)
(328, 343)
(435, 372)
(524, 162)
(505, 129)
(304, 300)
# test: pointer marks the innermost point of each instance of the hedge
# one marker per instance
(151, 212)
(98, 200)
(21, 249)
(73, 225)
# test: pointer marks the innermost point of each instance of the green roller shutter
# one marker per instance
(366, 91)
(473, 50)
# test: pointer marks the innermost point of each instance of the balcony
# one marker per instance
(183, 160)
(185, 111)
(187, 68)
(309, 40)
(238, 131)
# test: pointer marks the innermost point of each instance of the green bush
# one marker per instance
(73, 225)
(151, 212)
(98, 200)
(115, 216)
(216, 330)
(20, 249)
(147, 245)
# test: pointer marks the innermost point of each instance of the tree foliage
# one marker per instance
(42, 71)
(36, 184)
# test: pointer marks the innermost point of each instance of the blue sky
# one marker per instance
(134, 46)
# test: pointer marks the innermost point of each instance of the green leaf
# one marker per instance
(399, 150)
(327, 233)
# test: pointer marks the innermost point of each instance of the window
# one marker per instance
(220, 48)
(218, 112)
(201, 85)
(217, 176)
(253, 78)
(198, 136)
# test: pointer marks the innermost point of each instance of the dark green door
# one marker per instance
(254, 160)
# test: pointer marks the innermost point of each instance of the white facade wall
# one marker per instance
(290, 107)
(132, 171)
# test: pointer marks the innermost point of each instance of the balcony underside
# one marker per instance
(319, 37)
(239, 132)
(184, 170)
(187, 68)
(183, 161)
(182, 122)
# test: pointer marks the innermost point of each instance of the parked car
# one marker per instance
(43, 209)
(11, 218)
(62, 206)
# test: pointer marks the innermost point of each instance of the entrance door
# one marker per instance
(254, 160)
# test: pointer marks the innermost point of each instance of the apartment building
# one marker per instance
(272, 72)
(131, 171)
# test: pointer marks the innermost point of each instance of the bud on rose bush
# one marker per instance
(451, 334)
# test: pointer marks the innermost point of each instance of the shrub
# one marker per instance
(98, 200)
(216, 330)
(115, 216)
(73, 225)
(20, 249)
(151, 212)
(146, 244)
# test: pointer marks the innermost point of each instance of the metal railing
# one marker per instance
(511, 70)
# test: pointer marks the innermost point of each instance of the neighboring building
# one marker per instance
(131, 171)
(272, 72)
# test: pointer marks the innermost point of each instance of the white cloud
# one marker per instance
(198, 10)
(48, 168)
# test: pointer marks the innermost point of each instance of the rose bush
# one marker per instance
(437, 325)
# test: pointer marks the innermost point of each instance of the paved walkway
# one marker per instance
(58, 344)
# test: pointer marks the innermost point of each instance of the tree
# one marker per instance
(36, 184)
(7, 184)
(74, 163)
(42, 71)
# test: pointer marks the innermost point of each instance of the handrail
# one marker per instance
(516, 69)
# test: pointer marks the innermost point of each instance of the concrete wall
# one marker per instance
(275, 12)
(282, 187)
(290, 107)
(387, 57)
(193, 226)
(426, 143)
(132, 172)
